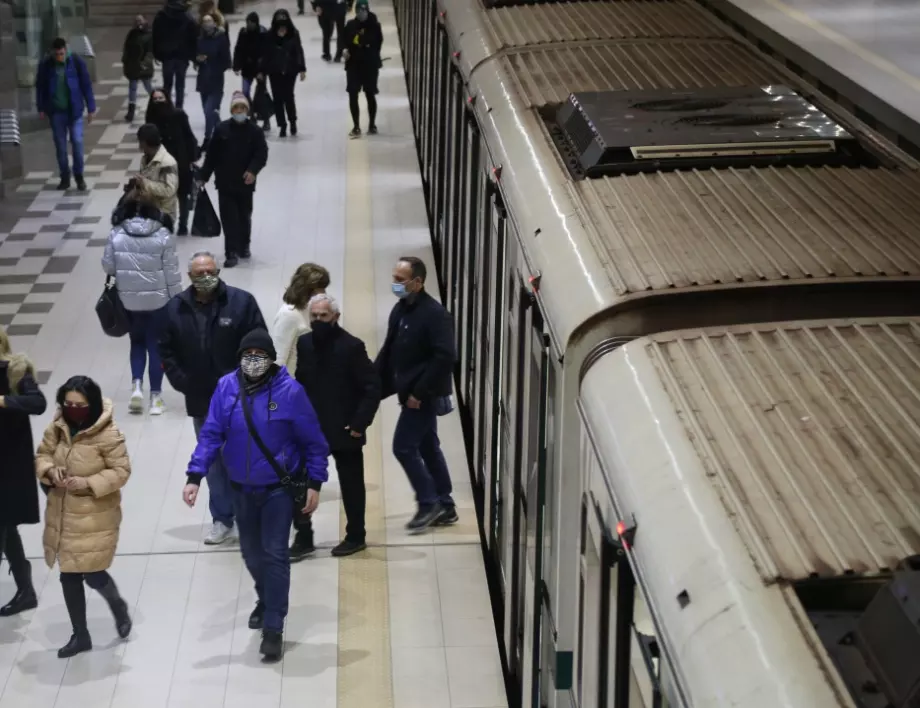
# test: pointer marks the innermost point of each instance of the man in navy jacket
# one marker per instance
(62, 90)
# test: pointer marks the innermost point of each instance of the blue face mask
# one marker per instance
(239, 117)
(399, 290)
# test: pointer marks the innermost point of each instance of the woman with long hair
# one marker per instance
(20, 397)
(83, 461)
(180, 142)
(291, 321)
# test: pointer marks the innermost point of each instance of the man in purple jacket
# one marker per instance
(281, 421)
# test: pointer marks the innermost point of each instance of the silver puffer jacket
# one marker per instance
(141, 254)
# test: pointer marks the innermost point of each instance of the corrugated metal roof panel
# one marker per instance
(707, 227)
(549, 75)
(578, 21)
(811, 434)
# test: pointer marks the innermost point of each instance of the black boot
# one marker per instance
(25, 597)
(293, 128)
(119, 608)
(257, 616)
(64, 184)
(130, 115)
(302, 546)
(75, 600)
(78, 644)
(81, 183)
(272, 645)
(282, 131)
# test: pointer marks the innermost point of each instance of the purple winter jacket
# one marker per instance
(284, 419)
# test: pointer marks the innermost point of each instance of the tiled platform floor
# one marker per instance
(408, 623)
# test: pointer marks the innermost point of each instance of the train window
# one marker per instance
(549, 509)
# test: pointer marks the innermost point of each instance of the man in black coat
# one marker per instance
(343, 386)
(174, 38)
(331, 15)
(237, 153)
(248, 57)
(363, 41)
(201, 337)
(415, 363)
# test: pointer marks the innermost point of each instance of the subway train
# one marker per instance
(685, 288)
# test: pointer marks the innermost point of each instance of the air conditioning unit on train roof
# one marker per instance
(622, 132)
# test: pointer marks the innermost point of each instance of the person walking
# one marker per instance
(158, 180)
(262, 422)
(249, 52)
(204, 327)
(237, 156)
(209, 7)
(212, 60)
(137, 61)
(331, 15)
(291, 321)
(179, 141)
(284, 61)
(415, 363)
(344, 388)
(363, 42)
(175, 36)
(83, 460)
(62, 89)
(20, 397)
(141, 255)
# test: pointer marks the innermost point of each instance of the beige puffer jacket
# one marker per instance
(81, 528)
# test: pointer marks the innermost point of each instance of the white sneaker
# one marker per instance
(218, 534)
(157, 407)
(136, 404)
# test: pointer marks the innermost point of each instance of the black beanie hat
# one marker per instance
(258, 339)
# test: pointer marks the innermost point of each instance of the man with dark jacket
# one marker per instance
(248, 59)
(237, 154)
(415, 363)
(202, 333)
(175, 35)
(331, 15)
(344, 388)
(62, 89)
(363, 40)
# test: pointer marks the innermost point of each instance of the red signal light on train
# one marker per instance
(456, 55)
(621, 528)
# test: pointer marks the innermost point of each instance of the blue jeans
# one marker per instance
(418, 449)
(174, 70)
(61, 125)
(132, 88)
(220, 503)
(264, 521)
(210, 104)
(144, 335)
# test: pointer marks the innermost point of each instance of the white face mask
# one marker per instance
(255, 366)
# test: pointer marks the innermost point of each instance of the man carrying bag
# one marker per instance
(274, 450)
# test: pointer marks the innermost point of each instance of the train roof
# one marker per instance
(600, 243)
(768, 455)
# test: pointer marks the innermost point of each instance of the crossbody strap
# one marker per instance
(283, 476)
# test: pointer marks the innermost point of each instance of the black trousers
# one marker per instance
(75, 595)
(236, 220)
(11, 548)
(283, 96)
(333, 18)
(350, 466)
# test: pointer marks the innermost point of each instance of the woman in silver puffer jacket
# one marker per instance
(141, 254)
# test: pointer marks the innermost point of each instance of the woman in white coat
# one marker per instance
(308, 280)
(141, 255)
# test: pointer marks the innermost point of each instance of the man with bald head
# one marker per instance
(204, 327)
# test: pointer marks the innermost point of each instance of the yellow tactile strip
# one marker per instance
(365, 677)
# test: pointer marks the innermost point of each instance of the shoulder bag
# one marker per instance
(111, 312)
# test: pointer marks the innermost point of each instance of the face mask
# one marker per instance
(254, 367)
(75, 416)
(251, 27)
(205, 283)
(322, 329)
(399, 290)
(239, 117)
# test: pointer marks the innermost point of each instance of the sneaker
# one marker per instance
(301, 548)
(372, 130)
(219, 533)
(447, 517)
(81, 183)
(136, 404)
(257, 616)
(231, 261)
(272, 645)
(157, 407)
(347, 548)
(355, 132)
(423, 518)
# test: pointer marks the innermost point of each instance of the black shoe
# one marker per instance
(129, 116)
(372, 130)
(267, 126)
(282, 131)
(64, 184)
(327, 57)
(119, 608)
(78, 644)
(347, 548)
(183, 230)
(246, 253)
(293, 128)
(257, 616)
(81, 183)
(272, 645)
(231, 261)
(25, 598)
(424, 518)
(355, 132)
(301, 548)
(338, 59)
(447, 517)
(300, 12)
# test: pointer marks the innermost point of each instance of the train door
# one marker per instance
(460, 272)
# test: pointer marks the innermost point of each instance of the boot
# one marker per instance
(79, 643)
(25, 597)
(272, 645)
(81, 183)
(293, 128)
(130, 115)
(75, 600)
(119, 608)
(64, 184)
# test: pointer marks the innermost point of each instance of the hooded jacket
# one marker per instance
(141, 254)
(284, 55)
(285, 421)
(174, 33)
(137, 54)
(216, 47)
(250, 48)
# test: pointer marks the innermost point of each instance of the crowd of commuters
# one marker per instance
(268, 406)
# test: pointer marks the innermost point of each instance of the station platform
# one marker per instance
(406, 624)
(866, 50)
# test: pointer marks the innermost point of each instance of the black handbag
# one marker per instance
(263, 108)
(111, 312)
(295, 485)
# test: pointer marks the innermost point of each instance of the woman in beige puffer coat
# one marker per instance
(82, 458)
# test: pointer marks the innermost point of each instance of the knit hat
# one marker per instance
(239, 98)
(361, 3)
(258, 339)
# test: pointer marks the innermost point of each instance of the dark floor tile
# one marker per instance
(78, 235)
(44, 288)
(21, 237)
(9, 262)
(54, 228)
(97, 242)
(43, 377)
(22, 330)
(17, 279)
(5, 319)
(107, 185)
(38, 252)
(39, 214)
(61, 264)
(87, 220)
(12, 298)
(67, 207)
(119, 165)
(35, 308)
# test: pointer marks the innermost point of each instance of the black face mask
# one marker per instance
(322, 330)
(251, 27)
